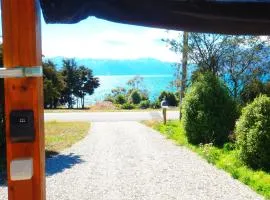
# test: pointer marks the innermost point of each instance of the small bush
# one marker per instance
(128, 106)
(253, 133)
(135, 97)
(155, 104)
(120, 99)
(170, 97)
(209, 113)
(144, 96)
(145, 104)
(109, 98)
(252, 90)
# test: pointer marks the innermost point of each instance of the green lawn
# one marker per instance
(225, 158)
(61, 135)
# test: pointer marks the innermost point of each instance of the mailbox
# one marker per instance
(164, 103)
(22, 126)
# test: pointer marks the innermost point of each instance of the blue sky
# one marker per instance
(96, 38)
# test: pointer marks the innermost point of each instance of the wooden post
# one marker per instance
(164, 113)
(22, 47)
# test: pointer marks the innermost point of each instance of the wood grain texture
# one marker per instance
(22, 47)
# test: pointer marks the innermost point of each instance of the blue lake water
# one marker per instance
(153, 83)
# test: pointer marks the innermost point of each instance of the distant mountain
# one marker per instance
(144, 66)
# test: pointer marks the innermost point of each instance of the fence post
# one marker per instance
(22, 47)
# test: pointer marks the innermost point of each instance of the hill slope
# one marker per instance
(144, 66)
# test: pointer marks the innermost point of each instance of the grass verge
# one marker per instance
(225, 158)
(61, 135)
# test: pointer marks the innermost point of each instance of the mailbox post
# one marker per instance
(23, 99)
(164, 105)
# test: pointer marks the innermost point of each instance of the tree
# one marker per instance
(170, 98)
(53, 84)
(86, 84)
(71, 76)
(184, 69)
(209, 112)
(135, 97)
(252, 131)
(136, 82)
(118, 91)
(235, 59)
(244, 58)
(205, 50)
(180, 69)
(254, 89)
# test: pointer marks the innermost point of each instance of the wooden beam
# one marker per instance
(22, 47)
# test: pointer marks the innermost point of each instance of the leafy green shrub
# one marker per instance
(162, 95)
(145, 104)
(252, 90)
(209, 112)
(144, 96)
(170, 97)
(120, 99)
(155, 104)
(109, 98)
(253, 133)
(128, 106)
(135, 97)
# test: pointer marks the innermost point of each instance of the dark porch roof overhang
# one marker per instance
(216, 16)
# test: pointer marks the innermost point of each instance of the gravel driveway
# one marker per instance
(128, 161)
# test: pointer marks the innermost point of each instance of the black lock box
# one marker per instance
(22, 126)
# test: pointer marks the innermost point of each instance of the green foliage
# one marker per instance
(118, 90)
(135, 94)
(109, 98)
(71, 76)
(253, 133)
(253, 89)
(86, 84)
(79, 82)
(225, 158)
(235, 59)
(135, 97)
(136, 83)
(209, 113)
(144, 95)
(53, 84)
(144, 104)
(155, 104)
(120, 99)
(170, 97)
(128, 106)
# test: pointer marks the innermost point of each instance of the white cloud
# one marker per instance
(113, 43)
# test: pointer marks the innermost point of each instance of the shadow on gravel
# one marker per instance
(3, 179)
(59, 163)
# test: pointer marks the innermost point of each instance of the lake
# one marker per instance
(153, 83)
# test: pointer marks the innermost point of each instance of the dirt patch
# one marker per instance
(103, 105)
